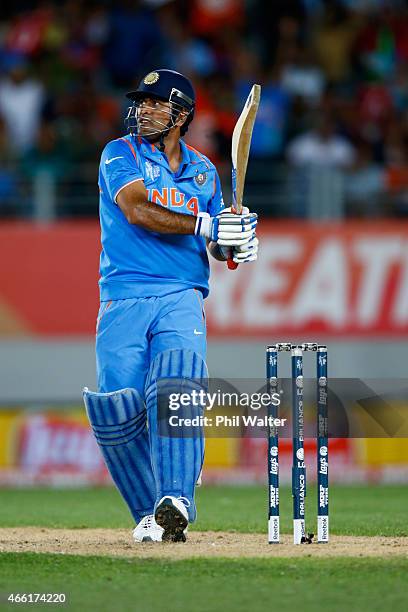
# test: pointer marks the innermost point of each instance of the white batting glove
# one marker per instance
(246, 252)
(227, 228)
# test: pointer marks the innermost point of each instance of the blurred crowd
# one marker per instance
(334, 78)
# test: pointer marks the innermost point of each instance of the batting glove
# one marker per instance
(227, 228)
(243, 253)
(246, 252)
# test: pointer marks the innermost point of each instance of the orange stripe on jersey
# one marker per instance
(199, 155)
(129, 144)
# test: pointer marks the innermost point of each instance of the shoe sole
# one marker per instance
(172, 521)
(145, 539)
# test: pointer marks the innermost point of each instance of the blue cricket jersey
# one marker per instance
(139, 263)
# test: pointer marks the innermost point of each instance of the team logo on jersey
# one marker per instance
(201, 178)
(152, 170)
(151, 78)
(172, 198)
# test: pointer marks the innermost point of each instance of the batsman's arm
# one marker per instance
(224, 229)
(138, 210)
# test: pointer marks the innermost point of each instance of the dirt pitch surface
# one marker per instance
(118, 542)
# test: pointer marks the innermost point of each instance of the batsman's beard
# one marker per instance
(151, 129)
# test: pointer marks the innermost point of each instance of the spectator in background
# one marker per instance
(186, 53)
(318, 159)
(365, 185)
(321, 147)
(269, 132)
(398, 88)
(22, 100)
(9, 185)
(203, 130)
(45, 166)
(81, 51)
(275, 25)
(223, 94)
(27, 30)
(303, 77)
(208, 17)
(333, 38)
(46, 155)
(396, 165)
(134, 42)
(90, 116)
(96, 27)
(375, 110)
(382, 42)
(348, 58)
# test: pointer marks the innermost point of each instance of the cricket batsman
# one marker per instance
(161, 208)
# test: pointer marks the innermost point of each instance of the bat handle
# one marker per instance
(230, 263)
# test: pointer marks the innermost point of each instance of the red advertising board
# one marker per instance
(49, 447)
(57, 447)
(345, 279)
(348, 279)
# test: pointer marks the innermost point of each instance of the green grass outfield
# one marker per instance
(281, 584)
(354, 510)
(202, 585)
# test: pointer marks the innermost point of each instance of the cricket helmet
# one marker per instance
(168, 86)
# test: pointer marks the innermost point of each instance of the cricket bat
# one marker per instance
(241, 143)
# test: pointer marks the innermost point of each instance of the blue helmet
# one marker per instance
(169, 86)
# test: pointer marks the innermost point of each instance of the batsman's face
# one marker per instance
(153, 117)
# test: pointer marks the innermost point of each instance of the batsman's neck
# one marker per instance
(172, 149)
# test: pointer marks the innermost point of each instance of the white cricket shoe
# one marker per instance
(171, 514)
(148, 530)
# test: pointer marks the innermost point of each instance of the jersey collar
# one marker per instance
(192, 163)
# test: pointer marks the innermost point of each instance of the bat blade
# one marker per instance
(241, 144)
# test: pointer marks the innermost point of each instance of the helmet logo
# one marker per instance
(151, 78)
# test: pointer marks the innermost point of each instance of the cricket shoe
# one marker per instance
(171, 514)
(148, 530)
